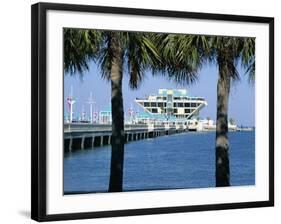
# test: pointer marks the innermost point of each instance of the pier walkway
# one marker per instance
(83, 135)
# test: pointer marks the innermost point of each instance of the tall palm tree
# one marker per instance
(112, 50)
(228, 52)
(185, 54)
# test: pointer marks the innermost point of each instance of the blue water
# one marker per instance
(177, 161)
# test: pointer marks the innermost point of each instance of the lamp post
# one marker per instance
(70, 102)
(91, 102)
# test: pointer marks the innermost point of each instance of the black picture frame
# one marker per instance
(39, 122)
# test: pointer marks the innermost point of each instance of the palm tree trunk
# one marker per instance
(117, 145)
(222, 145)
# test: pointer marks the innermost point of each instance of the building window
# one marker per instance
(187, 111)
(160, 105)
(169, 110)
(193, 105)
(175, 105)
(175, 111)
(153, 104)
(180, 104)
(154, 110)
(186, 104)
(146, 104)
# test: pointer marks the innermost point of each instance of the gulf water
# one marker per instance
(184, 160)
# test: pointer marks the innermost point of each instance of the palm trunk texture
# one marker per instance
(222, 144)
(117, 145)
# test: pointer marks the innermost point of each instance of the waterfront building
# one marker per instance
(105, 116)
(206, 125)
(172, 103)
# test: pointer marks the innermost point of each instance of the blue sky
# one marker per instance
(241, 104)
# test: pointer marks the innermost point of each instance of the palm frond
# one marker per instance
(182, 56)
(141, 55)
(80, 46)
(248, 58)
(105, 56)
